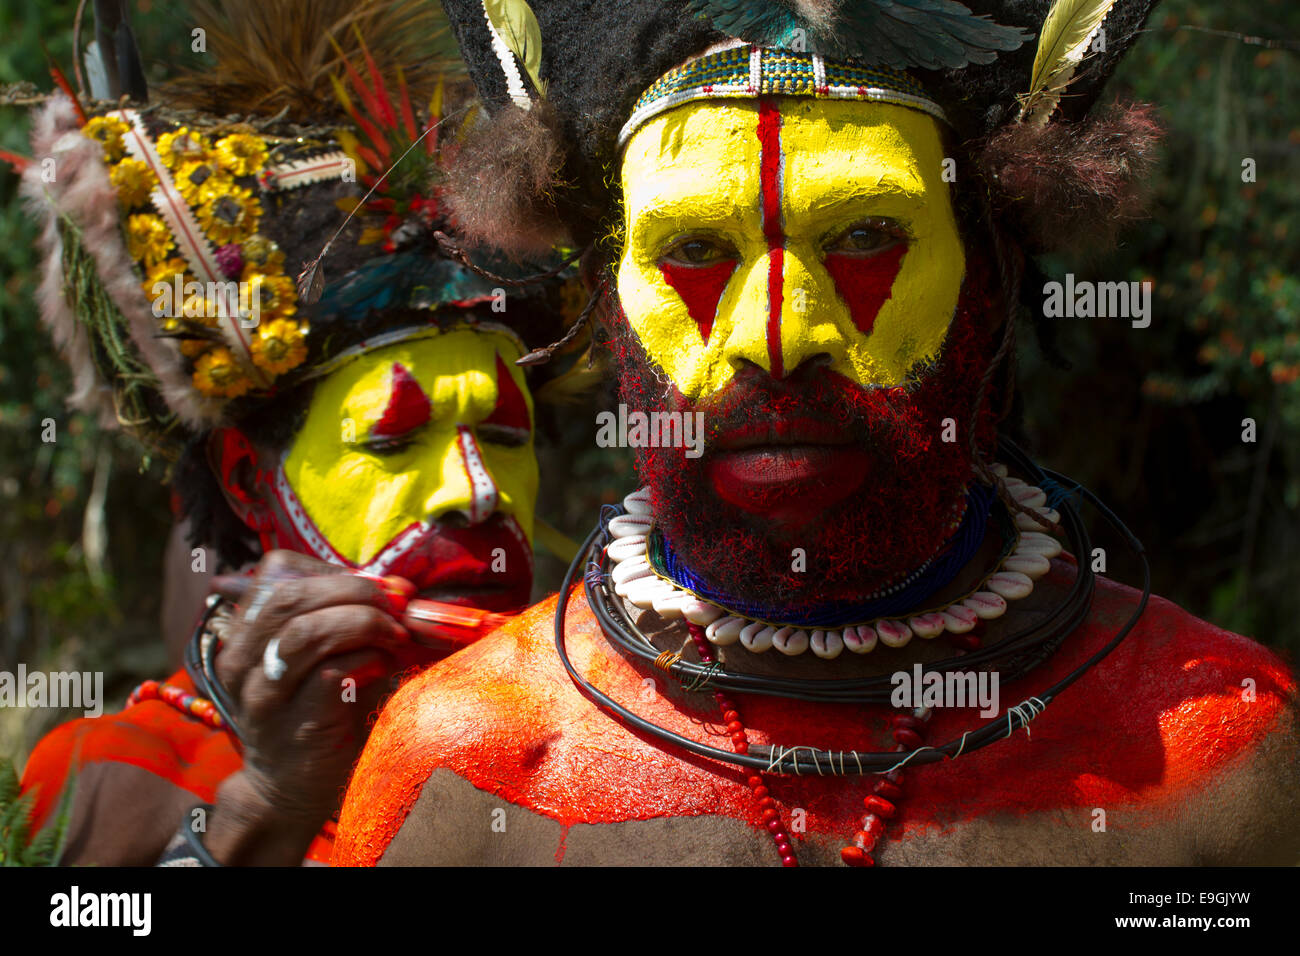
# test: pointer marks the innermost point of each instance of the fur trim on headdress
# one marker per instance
(1072, 186)
(82, 192)
(500, 185)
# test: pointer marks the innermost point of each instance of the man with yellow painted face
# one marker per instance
(795, 267)
(414, 459)
(354, 451)
(816, 639)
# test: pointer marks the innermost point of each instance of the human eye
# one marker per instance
(698, 251)
(504, 435)
(388, 446)
(868, 237)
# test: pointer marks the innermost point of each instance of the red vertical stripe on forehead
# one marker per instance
(865, 283)
(770, 167)
(408, 407)
(511, 409)
(701, 288)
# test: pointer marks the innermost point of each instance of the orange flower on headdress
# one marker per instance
(241, 154)
(275, 296)
(217, 373)
(109, 130)
(147, 239)
(199, 180)
(279, 346)
(134, 181)
(182, 146)
(231, 216)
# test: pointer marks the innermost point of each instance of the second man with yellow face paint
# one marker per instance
(353, 447)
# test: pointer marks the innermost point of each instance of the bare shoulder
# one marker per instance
(487, 713)
(1212, 692)
(1225, 711)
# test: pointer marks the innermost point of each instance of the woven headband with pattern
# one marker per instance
(751, 71)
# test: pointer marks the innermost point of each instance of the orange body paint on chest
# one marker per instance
(1147, 727)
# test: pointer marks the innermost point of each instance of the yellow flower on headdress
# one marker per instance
(231, 216)
(182, 146)
(260, 255)
(275, 295)
(109, 130)
(134, 181)
(148, 239)
(193, 348)
(217, 373)
(166, 272)
(279, 346)
(241, 154)
(199, 180)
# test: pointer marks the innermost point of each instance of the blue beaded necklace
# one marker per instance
(907, 594)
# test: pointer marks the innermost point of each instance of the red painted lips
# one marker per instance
(786, 469)
(486, 566)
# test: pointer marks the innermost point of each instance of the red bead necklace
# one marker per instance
(740, 744)
(182, 700)
(881, 804)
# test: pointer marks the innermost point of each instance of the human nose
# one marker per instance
(788, 313)
(467, 494)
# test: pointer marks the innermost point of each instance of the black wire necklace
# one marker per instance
(1020, 652)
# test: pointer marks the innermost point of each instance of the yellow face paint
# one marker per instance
(772, 231)
(369, 461)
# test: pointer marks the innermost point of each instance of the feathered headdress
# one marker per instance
(174, 232)
(564, 78)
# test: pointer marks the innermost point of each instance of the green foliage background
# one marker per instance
(1149, 418)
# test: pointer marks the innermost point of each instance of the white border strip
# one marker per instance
(194, 246)
(865, 94)
(305, 172)
(514, 82)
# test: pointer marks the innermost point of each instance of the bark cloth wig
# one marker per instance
(1015, 81)
(212, 196)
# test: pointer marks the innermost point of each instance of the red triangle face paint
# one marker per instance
(701, 288)
(865, 283)
(511, 410)
(408, 407)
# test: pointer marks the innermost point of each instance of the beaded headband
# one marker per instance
(747, 72)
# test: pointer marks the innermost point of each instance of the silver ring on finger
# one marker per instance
(273, 665)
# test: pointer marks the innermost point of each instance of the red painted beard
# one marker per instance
(859, 479)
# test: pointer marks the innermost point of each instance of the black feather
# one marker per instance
(757, 21)
(130, 71)
(931, 34)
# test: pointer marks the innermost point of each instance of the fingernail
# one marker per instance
(397, 591)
